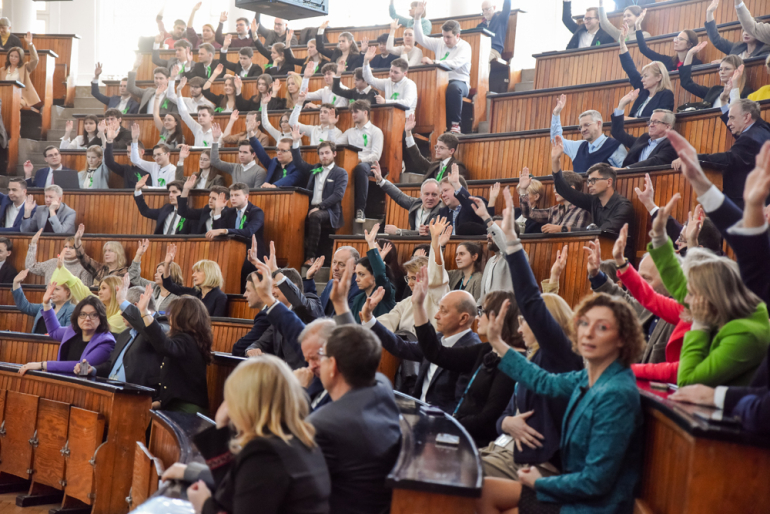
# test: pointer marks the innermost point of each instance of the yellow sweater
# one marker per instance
(79, 291)
(762, 93)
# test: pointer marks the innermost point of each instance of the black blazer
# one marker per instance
(663, 153)
(160, 215)
(215, 302)
(254, 225)
(431, 169)
(730, 48)
(466, 216)
(277, 476)
(131, 174)
(671, 63)
(183, 369)
(199, 70)
(708, 94)
(352, 93)
(600, 38)
(235, 67)
(7, 272)
(662, 99)
(141, 362)
(360, 437)
(254, 104)
(334, 188)
(200, 216)
(354, 60)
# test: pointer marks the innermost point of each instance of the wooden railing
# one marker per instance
(43, 82)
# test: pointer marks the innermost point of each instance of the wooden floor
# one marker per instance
(8, 506)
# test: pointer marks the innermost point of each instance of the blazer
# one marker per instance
(730, 48)
(352, 93)
(112, 102)
(708, 94)
(36, 309)
(255, 104)
(662, 154)
(141, 363)
(381, 280)
(62, 223)
(662, 99)
(201, 216)
(333, 191)
(160, 215)
(147, 94)
(5, 203)
(131, 174)
(41, 176)
(326, 305)
(11, 42)
(600, 38)
(253, 226)
(254, 71)
(183, 368)
(431, 169)
(360, 437)
(96, 351)
(671, 63)
(497, 273)
(473, 286)
(274, 342)
(465, 216)
(281, 477)
(272, 37)
(261, 324)
(134, 273)
(601, 442)
(354, 60)
(28, 94)
(446, 386)
(411, 204)
(293, 178)
(7, 272)
(215, 301)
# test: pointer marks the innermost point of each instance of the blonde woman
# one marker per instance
(273, 461)
(114, 256)
(16, 69)
(207, 281)
(652, 89)
(293, 83)
(409, 50)
(96, 175)
(160, 295)
(732, 82)
(314, 59)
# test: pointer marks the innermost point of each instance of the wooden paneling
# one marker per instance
(228, 253)
(532, 110)
(65, 46)
(43, 82)
(52, 430)
(10, 96)
(163, 444)
(19, 423)
(227, 332)
(17, 348)
(86, 431)
(140, 485)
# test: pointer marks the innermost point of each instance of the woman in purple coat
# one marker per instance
(88, 336)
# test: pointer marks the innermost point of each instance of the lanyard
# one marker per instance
(466, 390)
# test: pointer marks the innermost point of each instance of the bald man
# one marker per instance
(278, 34)
(496, 22)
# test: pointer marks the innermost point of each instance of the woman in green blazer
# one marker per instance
(371, 273)
(601, 441)
(730, 331)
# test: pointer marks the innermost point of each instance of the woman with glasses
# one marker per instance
(371, 273)
(87, 338)
(683, 42)
(467, 275)
(653, 85)
(732, 81)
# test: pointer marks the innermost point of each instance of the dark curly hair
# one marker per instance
(188, 315)
(629, 329)
(96, 303)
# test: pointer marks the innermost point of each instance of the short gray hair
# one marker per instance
(353, 252)
(133, 294)
(430, 181)
(669, 117)
(56, 189)
(595, 115)
(322, 327)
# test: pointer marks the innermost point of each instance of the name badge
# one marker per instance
(503, 441)
(330, 180)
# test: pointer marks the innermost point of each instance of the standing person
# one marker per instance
(363, 134)
(497, 23)
(408, 22)
(653, 84)
(97, 174)
(161, 296)
(328, 183)
(113, 253)
(56, 217)
(346, 51)
(46, 268)
(409, 50)
(12, 205)
(16, 69)
(451, 51)
(630, 15)
(588, 34)
(683, 43)
(207, 283)
(60, 298)
(749, 46)
(162, 171)
(397, 88)
(371, 274)
(562, 217)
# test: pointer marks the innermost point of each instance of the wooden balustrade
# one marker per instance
(228, 253)
(10, 96)
(589, 65)
(532, 110)
(65, 47)
(43, 82)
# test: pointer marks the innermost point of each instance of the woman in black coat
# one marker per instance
(273, 465)
(748, 46)
(683, 42)
(731, 78)
(346, 49)
(207, 283)
(280, 58)
(654, 84)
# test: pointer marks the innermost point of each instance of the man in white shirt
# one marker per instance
(326, 131)
(196, 99)
(12, 205)
(201, 129)
(453, 52)
(397, 88)
(325, 95)
(363, 134)
(162, 171)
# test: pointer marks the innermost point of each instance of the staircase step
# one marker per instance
(55, 135)
(524, 86)
(88, 102)
(410, 178)
(323, 275)
(358, 228)
(528, 75)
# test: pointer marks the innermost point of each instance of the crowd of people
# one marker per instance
(547, 392)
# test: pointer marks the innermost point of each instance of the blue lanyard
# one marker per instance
(466, 390)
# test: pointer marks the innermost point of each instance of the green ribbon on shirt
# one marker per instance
(267, 66)
(284, 173)
(366, 140)
(179, 225)
(208, 72)
(162, 182)
(394, 96)
(125, 111)
(90, 182)
(218, 109)
(316, 171)
(334, 99)
(163, 137)
(206, 144)
(138, 176)
(243, 220)
(445, 56)
(165, 104)
(441, 173)
(181, 70)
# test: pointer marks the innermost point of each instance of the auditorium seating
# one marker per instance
(43, 82)
(65, 47)
(10, 96)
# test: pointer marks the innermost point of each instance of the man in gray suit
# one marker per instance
(147, 95)
(246, 171)
(421, 209)
(56, 217)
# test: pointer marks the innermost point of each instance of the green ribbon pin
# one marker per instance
(165, 104)
(138, 176)
(284, 173)
(243, 220)
(206, 143)
(181, 71)
(366, 140)
(268, 66)
(218, 109)
(316, 171)
(125, 111)
(179, 225)
(441, 173)
(316, 68)
(163, 137)
(162, 182)
(208, 71)
(350, 101)
(90, 182)
(445, 56)
(394, 96)
(334, 99)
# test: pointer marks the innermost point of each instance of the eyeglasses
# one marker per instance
(279, 150)
(656, 122)
(480, 311)
(521, 319)
(586, 18)
(409, 279)
(322, 353)
(592, 181)
(84, 315)
(679, 39)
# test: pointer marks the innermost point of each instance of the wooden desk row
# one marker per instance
(589, 65)
(65, 47)
(532, 110)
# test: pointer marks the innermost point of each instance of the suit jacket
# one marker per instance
(160, 215)
(662, 100)
(466, 215)
(96, 351)
(131, 174)
(360, 437)
(6, 202)
(600, 38)
(708, 94)
(36, 310)
(274, 342)
(254, 72)
(41, 176)
(112, 102)
(293, 178)
(141, 362)
(333, 191)
(261, 323)
(201, 216)
(62, 223)
(254, 225)
(326, 305)
(147, 94)
(411, 204)
(7, 272)
(730, 48)
(431, 169)
(662, 154)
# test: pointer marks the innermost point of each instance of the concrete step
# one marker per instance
(85, 91)
(483, 127)
(55, 135)
(358, 228)
(524, 86)
(410, 178)
(528, 75)
(323, 275)
(88, 102)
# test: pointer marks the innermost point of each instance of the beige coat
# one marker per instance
(29, 96)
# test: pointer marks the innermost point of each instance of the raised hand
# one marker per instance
(371, 237)
(184, 150)
(97, 70)
(28, 39)
(309, 70)
(29, 206)
(28, 168)
(340, 288)
(557, 150)
(479, 208)
(559, 264)
(120, 294)
(509, 222)
(693, 227)
(49, 293)
(594, 250)
(324, 24)
(629, 98)
(623, 34)
(494, 192)
(640, 19)
(394, 25)
(189, 184)
(697, 48)
(216, 132)
(79, 234)
(689, 164)
(454, 176)
(317, 265)
(112, 133)
(411, 122)
(376, 171)
(560, 103)
(36, 237)
(647, 197)
(276, 87)
(141, 248)
(223, 17)
(265, 285)
(757, 188)
(141, 183)
(420, 287)
(445, 236)
(495, 329)
(525, 179)
(296, 135)
(144, 300)
(251, 253)
(228, 40)
(620, 246)
(385, 250)
(20, 277)
(371, 303)
(659, 223)
(370, 53)
(136, 131)
(170, 255)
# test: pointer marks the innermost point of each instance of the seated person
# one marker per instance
(195, 98)
(207, 283)
(370, 139)
(16, 69)
(360, 90)
(408, 21)
(609, 209)
(283, 124)
(246, 170)
(55, 217)
(383, 58)
(293, 85)
(203, 217)
(245, 67)
(467, 275)
(227, 101)
(207, 176)
(279, 34)
(261, 322)
(409, 51)
(161, 171)
(208, 34)
(121, 136)
(280, 171)
(147, 95)
(496, 276)
(92, 135)
(12, 205)
(631, 14)
(587, 34)
(205, 65)
(228, 138)
(497, 24)
(748, 46)
(458, 205)
(178, 32)
(328, 183)
(264, 87)
(732, 82)
(97, 174)
(397, 88)
(168, 220)
(324, 95)
(346, 50)
(244, 36)
(595, 147)
(314, 60)
(327, 129)
(130, 172)
(651, 148)
(341, 257)
(161, 297)
(763, 93)
(87, 338)
(7, 40)
(751, 131)
(280, 58)
(170, 128)
(7, 270)
(202, 129)
(533, 191)
(562, 217)
(371, 274)
(46, 268)
(183, 57)
(683, 43)
(114, 256)
(44, 177)
(60, 299)
(279, 466)
(422, 209)
(652, 87)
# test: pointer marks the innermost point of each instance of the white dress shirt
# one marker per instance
(447, 342)
(49, 178)
(458, 59)
(325, 95)
(10, 214)
(160, 176)
(403, 92)
(571, 147)
(320, 182)
(369, 138)
(317, 133)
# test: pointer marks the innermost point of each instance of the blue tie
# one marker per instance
(238, 220)
(118, 371)
(454, 221)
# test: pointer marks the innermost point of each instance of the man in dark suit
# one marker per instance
(338, 265)
(589, 33)
(45, 176)
(421, 209)
(206, 63)
(651, 148)
(122, 102)
(281, 170)
(7, 271)
(445, 148)
(458, 208)
(245, 67)
(204, 222)
(116, 132)
(750, 132)
(327, 184)
(130, 173)
(12, 205)
(169, 221)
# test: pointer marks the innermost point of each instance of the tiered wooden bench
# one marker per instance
(65, 48)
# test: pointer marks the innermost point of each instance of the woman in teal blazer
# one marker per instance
(372, 274)
(601, 442)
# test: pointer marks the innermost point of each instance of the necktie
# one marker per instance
(239, 220)
(441, 173)
(172, 225)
